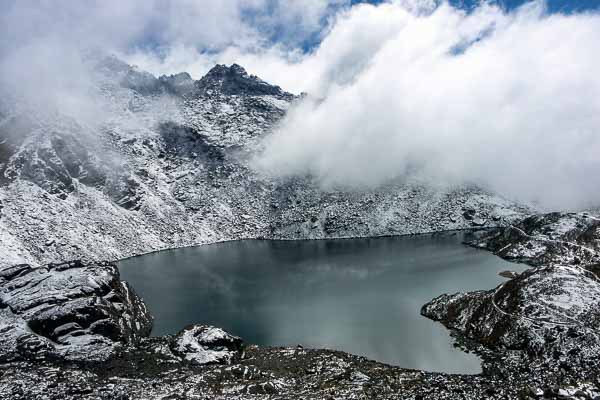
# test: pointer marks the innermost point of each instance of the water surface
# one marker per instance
(362, 296)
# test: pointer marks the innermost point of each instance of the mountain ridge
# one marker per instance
(177, 169)
(221, 79)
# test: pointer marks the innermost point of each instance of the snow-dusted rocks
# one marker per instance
(536, 334)
(70, 310)
(565, 238)
(200, 345)
(551, 309)
(544, 322)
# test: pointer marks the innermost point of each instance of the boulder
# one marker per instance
(70, 309)
(201, 344)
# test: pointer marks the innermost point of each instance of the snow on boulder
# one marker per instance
(201, 344)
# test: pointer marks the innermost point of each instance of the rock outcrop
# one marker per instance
(555, 238)
(69, 311)
(544, 322)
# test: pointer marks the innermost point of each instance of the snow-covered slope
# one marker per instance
(166, 165)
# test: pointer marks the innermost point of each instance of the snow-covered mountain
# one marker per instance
(167, 164)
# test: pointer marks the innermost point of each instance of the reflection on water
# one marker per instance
(362, 296)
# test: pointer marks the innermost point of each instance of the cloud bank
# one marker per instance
(507, 101)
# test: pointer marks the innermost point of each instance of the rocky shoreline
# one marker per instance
(74, 331)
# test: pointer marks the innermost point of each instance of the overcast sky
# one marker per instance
(504, 95)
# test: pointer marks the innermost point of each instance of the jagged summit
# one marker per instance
(221, 79)
(221, 70)
(234, 80)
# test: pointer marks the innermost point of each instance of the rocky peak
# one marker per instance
(141, 81)
(222, 72)
(234, 80)
(221, 79)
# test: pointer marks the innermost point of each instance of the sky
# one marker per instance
(168, 36)
(503, 95)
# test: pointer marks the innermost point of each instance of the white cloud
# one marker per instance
(150, 24)
(344, 51)
(516, 112)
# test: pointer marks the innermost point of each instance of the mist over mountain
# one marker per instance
(173, 157)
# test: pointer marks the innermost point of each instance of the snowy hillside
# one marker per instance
(166, 164)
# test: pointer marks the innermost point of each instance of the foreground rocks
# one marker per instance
(68, 311)
(71, 331)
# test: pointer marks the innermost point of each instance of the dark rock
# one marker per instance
(13, 132)
(508, 274)
(184, 141)
(469, 213)
(180, 84)
(55, 162)
(234, 80)
(125, 190)
(142, 82)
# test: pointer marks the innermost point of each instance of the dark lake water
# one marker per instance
(362, 296)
